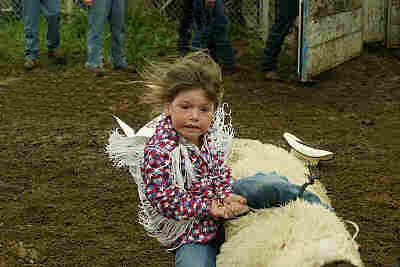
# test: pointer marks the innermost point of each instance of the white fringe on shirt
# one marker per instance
(128, 151)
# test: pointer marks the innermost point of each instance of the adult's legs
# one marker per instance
(270, 190)
(185, 27)
(51, 10)
(223, 45)
(287, 11)
(196, 255)
(116, 15)
(97, 16)
(31, 19)
(202, 21)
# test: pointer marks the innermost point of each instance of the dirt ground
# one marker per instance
(63, 204)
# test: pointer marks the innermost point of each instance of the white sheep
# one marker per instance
(299, 234)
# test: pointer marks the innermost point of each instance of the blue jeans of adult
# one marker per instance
(185, 27)
(51, 10)
(101, 12)
(286, 14)
(211, 32)
(261, 191)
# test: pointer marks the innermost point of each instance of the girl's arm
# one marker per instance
(223, 186)
(172, 201)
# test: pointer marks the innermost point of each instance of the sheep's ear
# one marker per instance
(128, 131)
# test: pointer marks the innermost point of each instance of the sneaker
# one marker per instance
(57, 56)
(30, 64)
(126, 68)
(97, 71)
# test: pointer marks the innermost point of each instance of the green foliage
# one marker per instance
(12, 36)
(148, 35)
(73, 33)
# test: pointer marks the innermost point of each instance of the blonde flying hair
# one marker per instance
(165, 80)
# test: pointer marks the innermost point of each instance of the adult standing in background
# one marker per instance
(286, 14)
(185, 28)
(99, 12)
(51, 10)
(212, 32)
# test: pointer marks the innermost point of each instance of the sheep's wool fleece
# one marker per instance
(299, 234)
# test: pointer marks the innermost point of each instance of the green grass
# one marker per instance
(148, 36)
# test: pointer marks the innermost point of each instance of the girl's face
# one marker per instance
(191, 114)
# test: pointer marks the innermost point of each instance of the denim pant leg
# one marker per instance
(117, 28)
(270, 190)
(31, 20)
(220, 36)
(202, 21)
(51, 10)
(185, 27)
(287, 11)
(196, 255)
(97, 16)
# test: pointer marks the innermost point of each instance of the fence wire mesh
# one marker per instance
(12, 6)
(255, 15)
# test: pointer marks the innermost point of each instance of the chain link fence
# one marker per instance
(255, 15)
(12, 6)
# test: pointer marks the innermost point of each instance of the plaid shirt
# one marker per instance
(212, 181)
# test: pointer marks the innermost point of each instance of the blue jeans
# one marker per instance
(271, 190)
(185, 28)
(51, 10)
(211, 32)
(261, 191)
(287, 11)
(102, 11)
(196, 255)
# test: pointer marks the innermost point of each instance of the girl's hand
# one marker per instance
(219, 211)
(237, 208)
(235, 198)
(89, 2)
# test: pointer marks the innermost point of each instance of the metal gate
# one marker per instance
(393, 24)
(330, 33)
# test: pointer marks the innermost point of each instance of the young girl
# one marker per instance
(184, 185)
